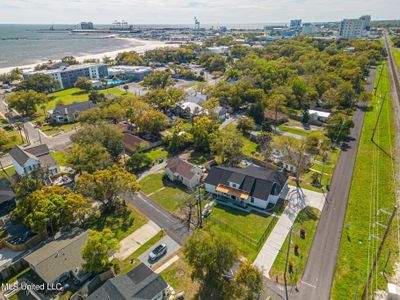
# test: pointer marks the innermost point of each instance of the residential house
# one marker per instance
(282, 159)
(130, 73)
(27, 160)
(69, 113)
(184, 172)
(318, 115)
(140, 283)
(188, 110)
(60, 259)
(253, 185)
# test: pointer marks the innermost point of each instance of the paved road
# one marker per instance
(172, 226)
(319, 272)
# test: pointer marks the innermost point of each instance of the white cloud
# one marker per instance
(182, 11)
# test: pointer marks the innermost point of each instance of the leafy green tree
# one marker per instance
(108, 135)
(69, 60)
(151, 121)
(201, 131)
(26, 102)
(246, 124)
(131, 58)
(158, 79)
(4, 139)
(137, 162)
(265, 139)
(88, 158)
(97, 97)
(210, 255)
(164, 99)
(248, 281)
(228, 146)
(51, 207)
(330, 98)
(84, 84)
(179, 139)
(338, 126)
(107, 185)
(98, 249)
(40, 83)
(277, 103)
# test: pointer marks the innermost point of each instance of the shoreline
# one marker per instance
(140, 46)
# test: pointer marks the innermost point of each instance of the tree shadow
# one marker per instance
(79, 93)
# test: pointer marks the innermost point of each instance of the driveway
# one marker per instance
(136, 239)
(172, 248)
(298, 199)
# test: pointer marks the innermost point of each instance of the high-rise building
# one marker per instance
(295, 23)
(354, 28)
(309, 29)
(366, 20)
(85, 25)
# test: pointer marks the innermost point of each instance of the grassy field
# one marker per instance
(156, 153)
(13, 135)
(67, 97)
(396, 53)
(10, 171)
(165, 193)
(178, 276)
(122, 225)
(307, 220)
(59, 156)
(373, 189)
(251, 225)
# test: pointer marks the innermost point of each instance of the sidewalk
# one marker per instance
(136, 239)
(298, 199)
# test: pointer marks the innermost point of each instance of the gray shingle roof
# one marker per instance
(59, 256)
(140, 283)
(40, 152)
(257, 181)
(73, 108)
(182, 167)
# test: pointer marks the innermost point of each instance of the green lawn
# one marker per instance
(69, 96)
(10, 171)
(126, 265)
(13, 135)
(178, 275)
(307, 219)
(166, 194)
(122, 224)
(51, 130)
(60, 157)
(294, 130)
(156, 153)
(372, 189)
(396, 54)
(251, 225)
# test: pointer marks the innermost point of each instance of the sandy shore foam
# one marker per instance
(139, 46)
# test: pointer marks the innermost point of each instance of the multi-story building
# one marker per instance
(351, 29)
(366, 22)
(85, 26)
(309, 29)
(354, 28)
(66, 76)
(295, 24)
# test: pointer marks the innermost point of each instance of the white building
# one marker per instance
(319, 115)
(184, 172)
(254, 186)
(28, 160)
(354, 28)
(309, 29)
(219, 50)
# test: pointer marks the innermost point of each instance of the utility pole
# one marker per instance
(379, 115)
(379, 79)
(365, 293)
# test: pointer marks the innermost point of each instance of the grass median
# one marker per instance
(372, 197)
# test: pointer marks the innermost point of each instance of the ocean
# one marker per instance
(28, 44)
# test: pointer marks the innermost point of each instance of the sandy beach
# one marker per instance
(139, 46)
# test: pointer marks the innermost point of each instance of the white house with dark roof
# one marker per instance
(253, 185)
(70, 112)
(27, 160)
(184, 172)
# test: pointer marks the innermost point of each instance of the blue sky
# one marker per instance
(182, 11)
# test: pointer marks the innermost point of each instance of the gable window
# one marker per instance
(252, 200)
